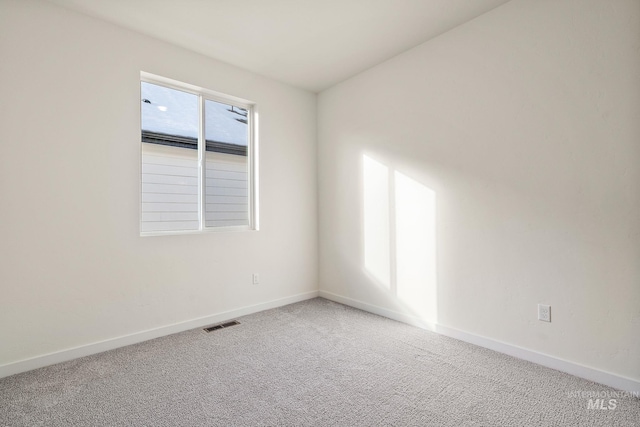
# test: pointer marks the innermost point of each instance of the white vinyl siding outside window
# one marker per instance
(197, 159)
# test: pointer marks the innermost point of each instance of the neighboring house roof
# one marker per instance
(173, 112)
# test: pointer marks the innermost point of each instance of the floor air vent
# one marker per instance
(222, 325)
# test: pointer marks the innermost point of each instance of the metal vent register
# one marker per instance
(221, 326)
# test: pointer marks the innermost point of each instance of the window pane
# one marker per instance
(169, 159)
(169, 111)
(226, 187)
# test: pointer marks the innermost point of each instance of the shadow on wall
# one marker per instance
(399, 238)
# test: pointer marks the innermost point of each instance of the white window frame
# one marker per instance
(252, 152)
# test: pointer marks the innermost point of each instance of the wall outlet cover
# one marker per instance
(544, 312)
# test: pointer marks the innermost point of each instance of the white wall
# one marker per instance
(524, 123)
(73, 268)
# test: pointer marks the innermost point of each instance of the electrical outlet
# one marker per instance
(255, 279)
(544, 312)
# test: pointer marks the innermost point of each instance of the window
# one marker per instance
(197, 159)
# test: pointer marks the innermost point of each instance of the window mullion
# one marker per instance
(202, 166)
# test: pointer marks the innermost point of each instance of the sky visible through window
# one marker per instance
(173, 112)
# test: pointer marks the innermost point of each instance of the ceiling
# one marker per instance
(312, 44)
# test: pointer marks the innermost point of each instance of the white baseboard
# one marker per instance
(384, 312)
(98, 347)
(595, 375)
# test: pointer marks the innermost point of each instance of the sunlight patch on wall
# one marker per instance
(399, 226)
(415, 229)
(376, 220)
